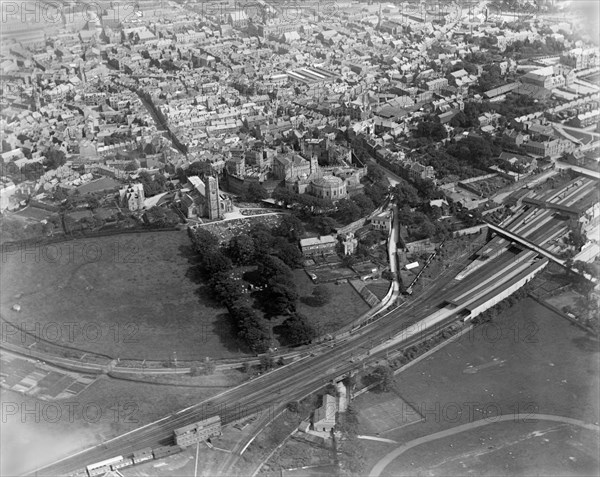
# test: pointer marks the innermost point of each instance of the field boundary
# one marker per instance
(561, 313)
(100, 233)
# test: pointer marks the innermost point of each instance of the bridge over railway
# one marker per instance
(536, 248)
(526, 243)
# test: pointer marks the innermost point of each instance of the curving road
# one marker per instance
(393, 455)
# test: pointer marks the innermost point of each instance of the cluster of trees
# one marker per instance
(255, 193)
(30, 172)
(431, 129)
(490, 78)
(197, 168)
(352, 452)
(71, 225)
(474, 150)
(378, 186)
(576, 238)
(469, 66)
(421, 226)
(414, 211)
(298, 330)
(13, 230)
(275, 253)
(251, 327)
(165, 65)
(306, 205)
(323, 215)
(585, 267)
(153, 185)
(54, 158)
(447, 165)
(279, 290)
(516, 105)
(502, 306)
(161, 217)
(526, 48)
(353, 208)
(383, 375)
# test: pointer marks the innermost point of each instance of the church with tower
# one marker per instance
(202, 198)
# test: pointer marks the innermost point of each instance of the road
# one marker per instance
(520, 418)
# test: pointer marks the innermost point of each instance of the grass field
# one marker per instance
(381, 412)
(527, 360)
(128, 296)
(98, 185)
(504, 449)
(379, 287)
(345, 304)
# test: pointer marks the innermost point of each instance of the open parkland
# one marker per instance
(490, 409)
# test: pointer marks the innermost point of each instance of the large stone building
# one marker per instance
(198, 432)
(316, 147)
(318, 245)
(291, 167)
(581, 58)
(132, 197)
(324, 417)
(202, 198)
(328, 187)
(552, 147)
(550, 77)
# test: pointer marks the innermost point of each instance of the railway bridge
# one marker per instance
(536, 248)
(526, 243)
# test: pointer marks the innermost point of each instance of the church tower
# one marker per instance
(36, 98)
(213, 205)
(314, 164)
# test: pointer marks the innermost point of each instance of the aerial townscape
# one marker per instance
(261, 238)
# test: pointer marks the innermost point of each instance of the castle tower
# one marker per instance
(213, 205)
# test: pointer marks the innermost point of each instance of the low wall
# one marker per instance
(96, 234)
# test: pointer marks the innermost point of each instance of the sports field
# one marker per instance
(128, 296)
(527, 361)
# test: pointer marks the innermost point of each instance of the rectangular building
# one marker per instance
(318, 245)
(199, 431)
